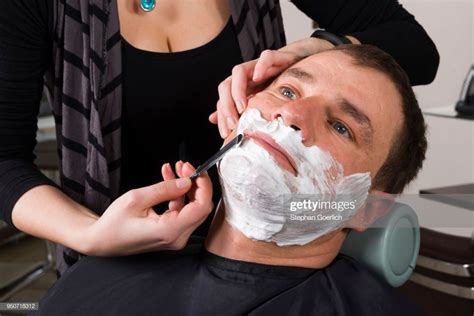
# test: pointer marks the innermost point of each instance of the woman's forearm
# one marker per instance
(383, 23)
(46, 212)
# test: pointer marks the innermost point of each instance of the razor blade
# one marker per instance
(217, 156)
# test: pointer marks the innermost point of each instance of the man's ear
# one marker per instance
(378, 204)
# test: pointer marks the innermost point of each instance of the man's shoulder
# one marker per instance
(345, 287)
(365, 291)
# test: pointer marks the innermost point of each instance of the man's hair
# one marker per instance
(407, 153)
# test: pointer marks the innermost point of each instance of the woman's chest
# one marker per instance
(174, 25)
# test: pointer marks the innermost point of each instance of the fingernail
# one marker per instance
(240, 106)
(183, 183)
(221, 131)
(231, 122)
(189, 166)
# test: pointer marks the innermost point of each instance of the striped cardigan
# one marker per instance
(84, 87)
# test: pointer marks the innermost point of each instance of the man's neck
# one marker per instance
(228, 242)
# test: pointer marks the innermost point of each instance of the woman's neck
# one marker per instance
(228, 242)
(173, 25)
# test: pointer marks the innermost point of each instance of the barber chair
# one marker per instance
(432, 269)
(390, 247)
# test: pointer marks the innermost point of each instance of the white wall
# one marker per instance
(450, 158)
(297, 24)
(450, 23)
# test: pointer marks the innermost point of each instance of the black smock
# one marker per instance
(196, 282)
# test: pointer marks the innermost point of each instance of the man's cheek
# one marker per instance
(352, 163)
(346, 158)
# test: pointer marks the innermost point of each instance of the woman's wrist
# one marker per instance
(81, 238)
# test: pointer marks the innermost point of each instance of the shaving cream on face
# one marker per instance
(257, 192)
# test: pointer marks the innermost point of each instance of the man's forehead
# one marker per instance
(319, 65)
(300, 74)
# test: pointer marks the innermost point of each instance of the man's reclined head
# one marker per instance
(341, 124)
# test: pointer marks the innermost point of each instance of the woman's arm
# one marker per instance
(383, 23)
(32, 203)
(46, 212)
(24, 57)
(29, 200)
(129, 225)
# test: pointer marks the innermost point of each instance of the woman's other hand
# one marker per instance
(130, 225)
(250, 77)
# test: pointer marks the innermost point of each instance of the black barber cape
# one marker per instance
(196, 282)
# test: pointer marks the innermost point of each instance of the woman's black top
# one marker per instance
(167, 97)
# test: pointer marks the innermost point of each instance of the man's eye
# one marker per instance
(287, 92)
(342, 129)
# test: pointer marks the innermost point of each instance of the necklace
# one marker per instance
(147, 5)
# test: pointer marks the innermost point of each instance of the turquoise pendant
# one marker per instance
(147, 5)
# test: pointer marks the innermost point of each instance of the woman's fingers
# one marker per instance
(168, 174)
(271, 63)
(200, 200)
(146, 197)
(179, 202)
(179, 168)
(245, 79)
(221, 124)
(213, 117)
(265, 61)
(226, 111)
(241, 77)
(201, 192)
(184, 222)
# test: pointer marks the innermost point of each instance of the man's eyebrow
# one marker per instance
(298, 73)
(362, 119)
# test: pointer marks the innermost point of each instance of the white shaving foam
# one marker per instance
(257, 191)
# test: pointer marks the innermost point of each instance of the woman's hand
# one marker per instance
(250, 77)
(130, 225)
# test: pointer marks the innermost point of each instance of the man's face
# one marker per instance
(350, 111)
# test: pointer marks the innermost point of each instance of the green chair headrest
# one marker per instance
(390, 247)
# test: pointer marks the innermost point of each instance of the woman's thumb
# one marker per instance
(163, 191)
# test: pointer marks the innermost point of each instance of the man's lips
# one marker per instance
(276, 151)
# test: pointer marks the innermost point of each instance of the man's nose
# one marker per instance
(301, 114)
